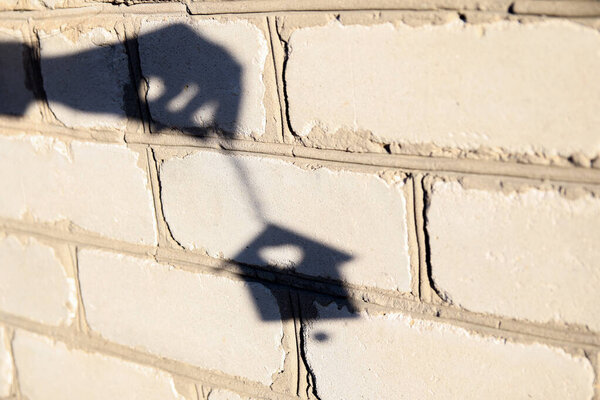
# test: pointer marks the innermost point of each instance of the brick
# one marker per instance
(207, 321)
(529, 255)
(396, 356)
(54, 4)
(333, 224)
(205, 73)
(34, 283)
(16, 98)
(49, 369)
(551, 7)
(518, 87)
(85, 78)
(6, 368)
(9, 5)
(221, 394)
(98, 187)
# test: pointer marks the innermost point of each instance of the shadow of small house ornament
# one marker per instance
(314, 256)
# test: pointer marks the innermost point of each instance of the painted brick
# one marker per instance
(221, 394)
(9, 5)
(6, 368)
(203, 73)
(85, 78)
(203, 320)
(334, 224)
(397, 357)
(522, 87)
(34, 283)
(98, 187)
(530, 255)
(48, 369)
(15, 96)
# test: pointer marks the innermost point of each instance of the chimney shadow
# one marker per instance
(195, 87)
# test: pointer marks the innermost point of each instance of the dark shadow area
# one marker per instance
(16, 86)
(195, 86)
(313, 253)
(105, 81)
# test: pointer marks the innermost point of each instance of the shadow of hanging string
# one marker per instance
(196, 88)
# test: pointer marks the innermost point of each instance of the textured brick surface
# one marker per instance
(530, 255)
(85, 78)
(50, 370)
(339, 225)
(33, 282)
(9, 5)
(199, 319)
(98, 187)
(190, 191)
(203, 73)
(6, 368)
(396, 356)
(220, 394)
(521, 87)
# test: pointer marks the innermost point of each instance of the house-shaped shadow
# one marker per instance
(313, 256)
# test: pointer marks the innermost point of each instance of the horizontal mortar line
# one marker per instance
(382, 299)
(75, 238)
(74, 13)
(416, 163)
(402, 161)
(321, 5)
(98, 10)
(406, 162)
(36, 15)
(385, 300)
(250, 7)
(203, 9)
(556, 9)
(466, 166)
(200, 262)
(561, 9)
(13, 127)
(505, 327)
(40, 15)
(97, 344)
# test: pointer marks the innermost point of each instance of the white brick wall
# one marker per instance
(223, 203)
(522, 255)
(396, 356)
(98, 187)
(51, 370)
(278, 199)
(34, 282)
(208, 321)
(521, 87)
(6, 367)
